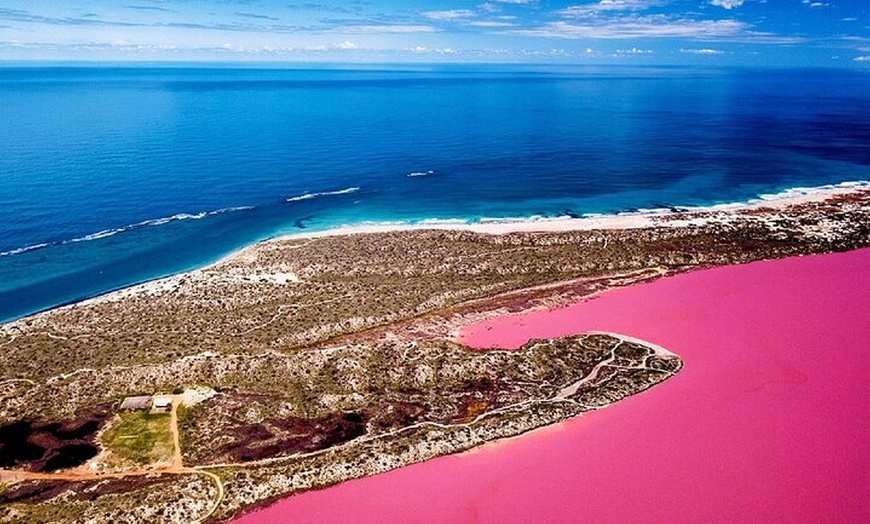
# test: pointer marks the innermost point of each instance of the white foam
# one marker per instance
(378, 223)
(514, 220)
(442, 221)
(309, 196)
(105, 233)
(420, 173)
(99, 234)
(20, 250)
(645, 211)
(626, 220)
(158, 222)
(786, 195)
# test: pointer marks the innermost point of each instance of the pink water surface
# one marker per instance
(767, 422)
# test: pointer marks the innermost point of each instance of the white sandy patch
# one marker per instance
(275, 278)
(197, 394)
(267, 278)
(151, 288)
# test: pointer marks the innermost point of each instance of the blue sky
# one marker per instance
(747, 32)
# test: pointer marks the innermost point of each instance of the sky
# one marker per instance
(716, 32)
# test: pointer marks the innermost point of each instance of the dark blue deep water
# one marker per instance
(115, 175)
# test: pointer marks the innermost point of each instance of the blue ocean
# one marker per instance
(116, 174)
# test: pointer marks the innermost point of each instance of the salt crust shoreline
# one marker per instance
(682, 217)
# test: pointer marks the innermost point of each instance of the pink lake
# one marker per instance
(767, 422)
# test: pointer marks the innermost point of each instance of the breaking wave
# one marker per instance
(442, 222)
(309, 196)
(20, 250)
(785, 194)
(105, 233)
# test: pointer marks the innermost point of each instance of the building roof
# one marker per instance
(162, 402)
(135, 403)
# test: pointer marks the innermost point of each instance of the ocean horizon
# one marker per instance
(118, 174)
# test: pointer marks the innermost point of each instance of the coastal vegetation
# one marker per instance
(335, 357)
(344, 285)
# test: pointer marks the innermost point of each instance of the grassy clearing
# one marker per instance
(140, 437)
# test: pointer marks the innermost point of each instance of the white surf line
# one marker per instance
(311, 196)
(687, 215)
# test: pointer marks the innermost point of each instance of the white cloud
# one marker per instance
(654, 26)
(492, 6)
(441, 51)
(727, 4)
(385, 29)
(705, 51)
(464, 16)
(452, 14)
(587, 10)
(657, 26)
(555, 52)
(634, 51)
(864, 58)
(347, 44)
(486, 23)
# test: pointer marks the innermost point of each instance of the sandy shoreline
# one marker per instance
(670, 218)
(681, 217)
(642, 219)
(684, 217)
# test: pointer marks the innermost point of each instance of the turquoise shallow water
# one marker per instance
(113, 175)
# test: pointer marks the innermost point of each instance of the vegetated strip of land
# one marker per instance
(295, 293)
(238, 325)
(392, 411)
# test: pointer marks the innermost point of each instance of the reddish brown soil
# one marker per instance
(293, 435)
(32, 492)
